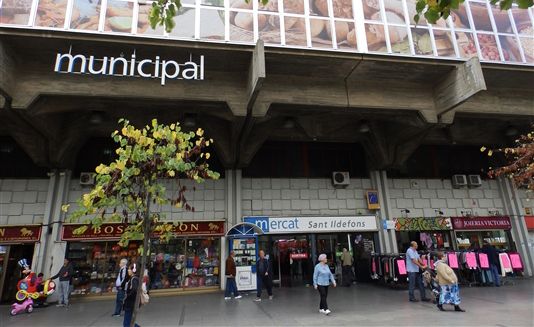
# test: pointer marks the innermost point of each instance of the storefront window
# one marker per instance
(474, 240)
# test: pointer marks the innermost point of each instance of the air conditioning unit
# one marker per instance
(474, 180)
(459, 181)
(87, 179)
(340, 178)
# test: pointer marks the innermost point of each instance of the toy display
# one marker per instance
(30, 291)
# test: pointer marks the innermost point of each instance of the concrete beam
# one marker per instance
(7, 76)
(458, 85)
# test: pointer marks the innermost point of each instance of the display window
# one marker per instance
(472, 240)
(427, 240)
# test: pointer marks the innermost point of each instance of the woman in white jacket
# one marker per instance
(450, 292)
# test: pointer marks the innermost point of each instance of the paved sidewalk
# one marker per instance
(360, 305)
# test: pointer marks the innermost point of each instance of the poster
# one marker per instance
(15, 12)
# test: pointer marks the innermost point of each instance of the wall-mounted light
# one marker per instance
(364, 127)
(405, 212)
(511, 131)
(467, 213)
(438, 212)
(96, 117)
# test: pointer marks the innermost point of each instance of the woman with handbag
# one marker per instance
(448, 282)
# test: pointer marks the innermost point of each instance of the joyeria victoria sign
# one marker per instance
(164, 70)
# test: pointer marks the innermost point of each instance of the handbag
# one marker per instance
(144, 295)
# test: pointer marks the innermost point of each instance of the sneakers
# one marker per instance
(321, 311)
(60, 305)
(238, 297)
(116, 315)
(270, 297)
(257, 299)
(414, 300)
(227, 298)
(327, 312)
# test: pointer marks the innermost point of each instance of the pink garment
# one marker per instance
(432, 264)
(471, 260)
(453, 260)
(374, 266)
(516, 261)
(484, 262)
(401, 264)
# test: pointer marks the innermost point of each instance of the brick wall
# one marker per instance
(422, 197)
(301, 196)
(22, 201)
(208, 199)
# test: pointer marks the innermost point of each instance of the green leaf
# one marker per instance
(524, 4)
(420, 5)
(416, 18)
(432, 15)
(455, 4)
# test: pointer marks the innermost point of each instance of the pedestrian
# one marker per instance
(231, 286)
(413, 266)
(131, 287)
(65, 277)
(264, 272)
(120, 283)
(346, 260)
(493, 260)
(322, 276)
(448, 282)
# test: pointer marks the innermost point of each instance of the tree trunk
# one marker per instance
(144, 259)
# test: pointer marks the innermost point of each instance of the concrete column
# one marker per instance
(233, 196)
(388, 240)
(224, 254)
(513, 208)
(41, 249)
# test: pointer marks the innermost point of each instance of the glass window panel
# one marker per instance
(15, 12)
(510, 48)
(528, 48)
(211, 24)
(242, 26)
(321, 33)
(214, 3)
(462, 20)
(240, 4)
(270, 33)
(394, 7)
(422, 42)
(272, 5)
(345, 35)
(371, 10)
(479, 11)
(444, 44)
(502, 21)
(376, 40)
(295, 31)
(143, 26)
(294, 7)
(319, 8)
(85, 15)
(411, 13)
(342, 8)
(398, 36)
(119, 16)
(488, 47)
(466, 44)
(185, 24)
(523, 22)
(51, 13)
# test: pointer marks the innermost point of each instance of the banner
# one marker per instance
(422, 224)
(481, 223)
(20, 234)
(281, 225)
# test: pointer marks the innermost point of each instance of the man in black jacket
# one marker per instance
(65, 276)
(264, 272)
(493, 259)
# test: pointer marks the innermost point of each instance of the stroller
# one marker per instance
(431, 282)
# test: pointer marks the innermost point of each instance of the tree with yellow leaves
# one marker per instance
(125, 189)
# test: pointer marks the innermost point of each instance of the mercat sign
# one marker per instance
(157, 67)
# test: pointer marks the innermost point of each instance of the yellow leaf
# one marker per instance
(178, 204)
(65, 207)
(208, 155)
(482, 149)
(200, 132)
(154, 122)
(124, 131)
(173, 126)
(121, 165)
(171, 173)
(490, 153)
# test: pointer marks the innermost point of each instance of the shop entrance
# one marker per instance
(292, 260)
(10, 272)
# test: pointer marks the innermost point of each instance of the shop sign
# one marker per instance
(20, 234)
(299, 255)
(114, 231)
(130, 67)
(283, 225)
(422, 224)
(481, 223)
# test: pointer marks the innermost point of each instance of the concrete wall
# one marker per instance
(303, 197)
(22, 201)
(527, 200)
(422, 197)
(208, 199)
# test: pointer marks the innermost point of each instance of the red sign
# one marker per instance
(20, 234)
(78, 232)
(481, 223)
(529, 220)
(299, 255)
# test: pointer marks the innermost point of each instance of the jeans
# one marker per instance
(128, 313)
(231, 287)
(415, 279)
(64, 291)
(495, 273)
(118, 301)
(265, 280)
(323, 292)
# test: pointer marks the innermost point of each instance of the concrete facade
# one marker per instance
(22, 201)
